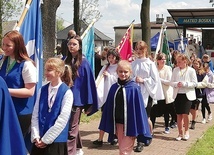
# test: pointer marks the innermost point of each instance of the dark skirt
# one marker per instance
(52, 149)
(182, 104)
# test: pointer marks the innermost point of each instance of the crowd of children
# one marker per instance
(130, 95)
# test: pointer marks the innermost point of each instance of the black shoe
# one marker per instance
(114, 142)
(148, 142)
(192, 125)
(98, 143)
(139, 147)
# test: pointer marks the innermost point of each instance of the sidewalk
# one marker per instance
(162, 144)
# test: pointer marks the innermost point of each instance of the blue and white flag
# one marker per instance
(180, 44)
(31, 30)
(88, 46)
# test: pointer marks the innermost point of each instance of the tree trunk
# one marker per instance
(49, 8)
(145, 22)
(76, 20)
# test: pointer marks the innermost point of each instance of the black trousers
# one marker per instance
(52, 149)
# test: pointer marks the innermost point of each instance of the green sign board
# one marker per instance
(187, 21)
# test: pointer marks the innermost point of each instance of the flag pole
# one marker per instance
(125, 33)
(88, 28)
(27, 6)
(160, 41)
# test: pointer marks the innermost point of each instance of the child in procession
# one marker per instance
(124, 112)
(52, 111)
(106, 78)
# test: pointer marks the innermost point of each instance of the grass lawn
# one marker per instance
(205, 145)
(86, 119)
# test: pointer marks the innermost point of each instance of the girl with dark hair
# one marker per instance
(19, 72)
(84, 90)
(165, 106)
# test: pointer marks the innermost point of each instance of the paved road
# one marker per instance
(162, 144)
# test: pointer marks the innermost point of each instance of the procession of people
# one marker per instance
(130, 95)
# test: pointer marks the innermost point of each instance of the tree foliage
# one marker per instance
(10, 8)
(89, 10)
(59, 24)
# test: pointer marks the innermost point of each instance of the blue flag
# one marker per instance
(88, 47)
(31, 30)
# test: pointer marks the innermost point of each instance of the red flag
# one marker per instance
(125, 45)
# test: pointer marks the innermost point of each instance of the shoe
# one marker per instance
(186, 137)
(210, 117)
(174, 125)
(114, 142)
(192, 125)
(178, 138)
(79, 152)
(98, 143)
(166, 130)
(139, 147)
(148, 142)
(204, 121)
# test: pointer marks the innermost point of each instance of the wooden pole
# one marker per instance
(88, 28)
(27, 6)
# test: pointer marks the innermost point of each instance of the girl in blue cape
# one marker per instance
(125, 116)
(84, 90)
(11, 141)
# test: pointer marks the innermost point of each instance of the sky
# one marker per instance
(123, 12)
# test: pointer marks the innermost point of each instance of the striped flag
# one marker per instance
(125, 46)
(31, 30)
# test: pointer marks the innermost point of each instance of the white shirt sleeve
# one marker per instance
(35, 120)
(60, 123)
(29, 72)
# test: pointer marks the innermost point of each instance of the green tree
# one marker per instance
(59, 24)
(89, 10)
(9, 9)
(145, 21)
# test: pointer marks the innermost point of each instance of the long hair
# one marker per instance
(200, 69)
(20, 51)
(78, 58)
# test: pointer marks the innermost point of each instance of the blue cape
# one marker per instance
(137, 120)
(84, 89)
(11, 138)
